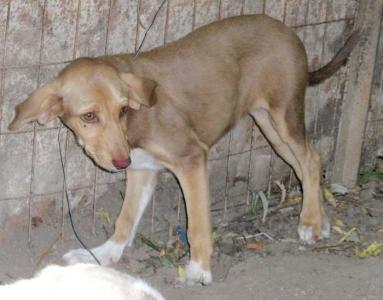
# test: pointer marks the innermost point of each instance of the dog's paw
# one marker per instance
(107, 254)
(308, 236)
(195, 274)
(325, 233)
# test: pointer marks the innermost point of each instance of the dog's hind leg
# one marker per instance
(139, 190)
(288, 138)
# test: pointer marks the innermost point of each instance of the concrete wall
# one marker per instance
(373, 138)
(36, 39)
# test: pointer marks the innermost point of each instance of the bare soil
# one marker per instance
(252, 260)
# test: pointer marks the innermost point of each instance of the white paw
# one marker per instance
(306, 234)
(195, 274)
(108, 253)
(326, 230)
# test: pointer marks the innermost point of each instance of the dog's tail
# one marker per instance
(339, 60)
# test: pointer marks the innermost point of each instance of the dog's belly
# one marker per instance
(142, 160)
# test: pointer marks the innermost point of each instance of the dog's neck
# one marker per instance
(124, 62)
(138, 129)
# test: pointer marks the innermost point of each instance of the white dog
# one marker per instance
(80, 281)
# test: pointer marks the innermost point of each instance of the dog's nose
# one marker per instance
(121, 164)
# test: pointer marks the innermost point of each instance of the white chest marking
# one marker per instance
(142, 160)
(146, 196)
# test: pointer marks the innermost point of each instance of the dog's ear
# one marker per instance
(43, 105)
(140, 90)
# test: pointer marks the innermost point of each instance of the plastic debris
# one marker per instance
(255, 245)
(338, 189)
(338, 229)
(350, 236)
(339, 222)
(181, 273)
(181, 233)
(261, 234)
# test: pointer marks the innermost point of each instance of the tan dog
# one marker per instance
(166, 108)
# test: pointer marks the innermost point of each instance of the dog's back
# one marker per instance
(222, 69)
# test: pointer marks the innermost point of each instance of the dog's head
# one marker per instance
(92, 98)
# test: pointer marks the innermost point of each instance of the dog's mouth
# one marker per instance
(116, 164)
(113, 167)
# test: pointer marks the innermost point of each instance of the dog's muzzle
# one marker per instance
(121, 164)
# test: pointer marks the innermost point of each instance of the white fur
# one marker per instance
(110, 252)
(195, 274)
(142, 160)
(306, 233)
(146, 195)
(79, 282)
(326, 230)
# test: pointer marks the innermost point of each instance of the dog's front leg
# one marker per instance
(193, 178)
(140, 185)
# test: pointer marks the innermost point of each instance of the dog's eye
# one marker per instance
(89, 117)
(123, 111)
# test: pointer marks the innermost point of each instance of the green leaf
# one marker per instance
(368, 176)
(104, 215)
(373, 249)
(265, 204)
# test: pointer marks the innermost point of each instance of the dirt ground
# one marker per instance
(252, 260)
